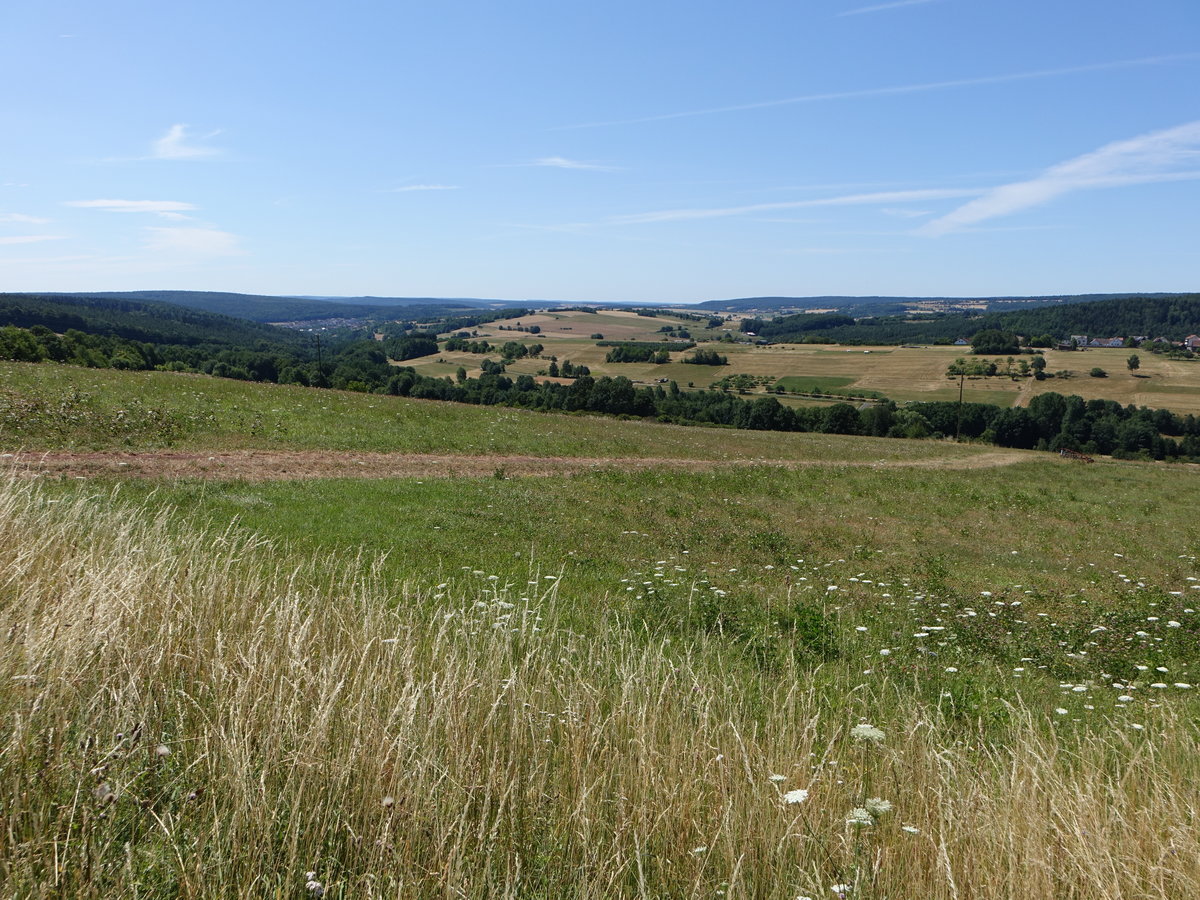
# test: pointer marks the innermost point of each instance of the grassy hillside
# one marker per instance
(47, 407)
(646, 683)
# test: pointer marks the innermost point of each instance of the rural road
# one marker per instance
(279, 465)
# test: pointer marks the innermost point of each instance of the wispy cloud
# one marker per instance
(676, 215)
(168, 209)
(880, 7)
(898, 90)
(905, 213)
(1169, 155)
(175, 145)
(30, 238)
(423, 187)
(192, 241)
(839, 251)
(559, 162)
(21, 219)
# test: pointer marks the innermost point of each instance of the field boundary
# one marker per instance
(288, 465)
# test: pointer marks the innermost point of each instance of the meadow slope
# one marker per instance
(643, 679)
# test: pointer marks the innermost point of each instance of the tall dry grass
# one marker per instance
(195, 714)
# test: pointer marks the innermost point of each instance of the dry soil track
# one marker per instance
(276, 465)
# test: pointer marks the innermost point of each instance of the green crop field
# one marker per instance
(907, 668)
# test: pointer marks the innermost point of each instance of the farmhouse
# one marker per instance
(1192, 342)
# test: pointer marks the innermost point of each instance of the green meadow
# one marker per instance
(898, 668)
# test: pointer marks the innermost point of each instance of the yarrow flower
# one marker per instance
(797, 796)
(867, 733)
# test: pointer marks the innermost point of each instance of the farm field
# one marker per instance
(901, 668)
(899, 373)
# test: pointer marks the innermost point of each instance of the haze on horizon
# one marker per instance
(665, 153)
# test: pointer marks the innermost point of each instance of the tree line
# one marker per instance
(1050, 422)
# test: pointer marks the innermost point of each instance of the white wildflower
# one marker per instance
(799, 795)
(865, 732)
(777, 778)
(860, 816)
(877, 806)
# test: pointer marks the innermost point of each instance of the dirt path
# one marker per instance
(276, 465)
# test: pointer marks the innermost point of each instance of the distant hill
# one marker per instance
(457, 302)
(145, 320)
(890, 306)
(1173, 316)
(264, 308)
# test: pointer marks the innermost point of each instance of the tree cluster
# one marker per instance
(706, 357)
(637, 353)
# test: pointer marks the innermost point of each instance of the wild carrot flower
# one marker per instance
(797, 796)
(860, 817)
(877, 806)
(865, 732)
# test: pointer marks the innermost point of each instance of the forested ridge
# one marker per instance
(138, 320)
(104, 332)
(265, 308)
(1173, 317)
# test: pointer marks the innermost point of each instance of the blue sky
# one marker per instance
(650, 151)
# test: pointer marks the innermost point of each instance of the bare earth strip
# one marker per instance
(276, 465)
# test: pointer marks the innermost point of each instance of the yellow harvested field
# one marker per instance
(900, 373)
(615, 325)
